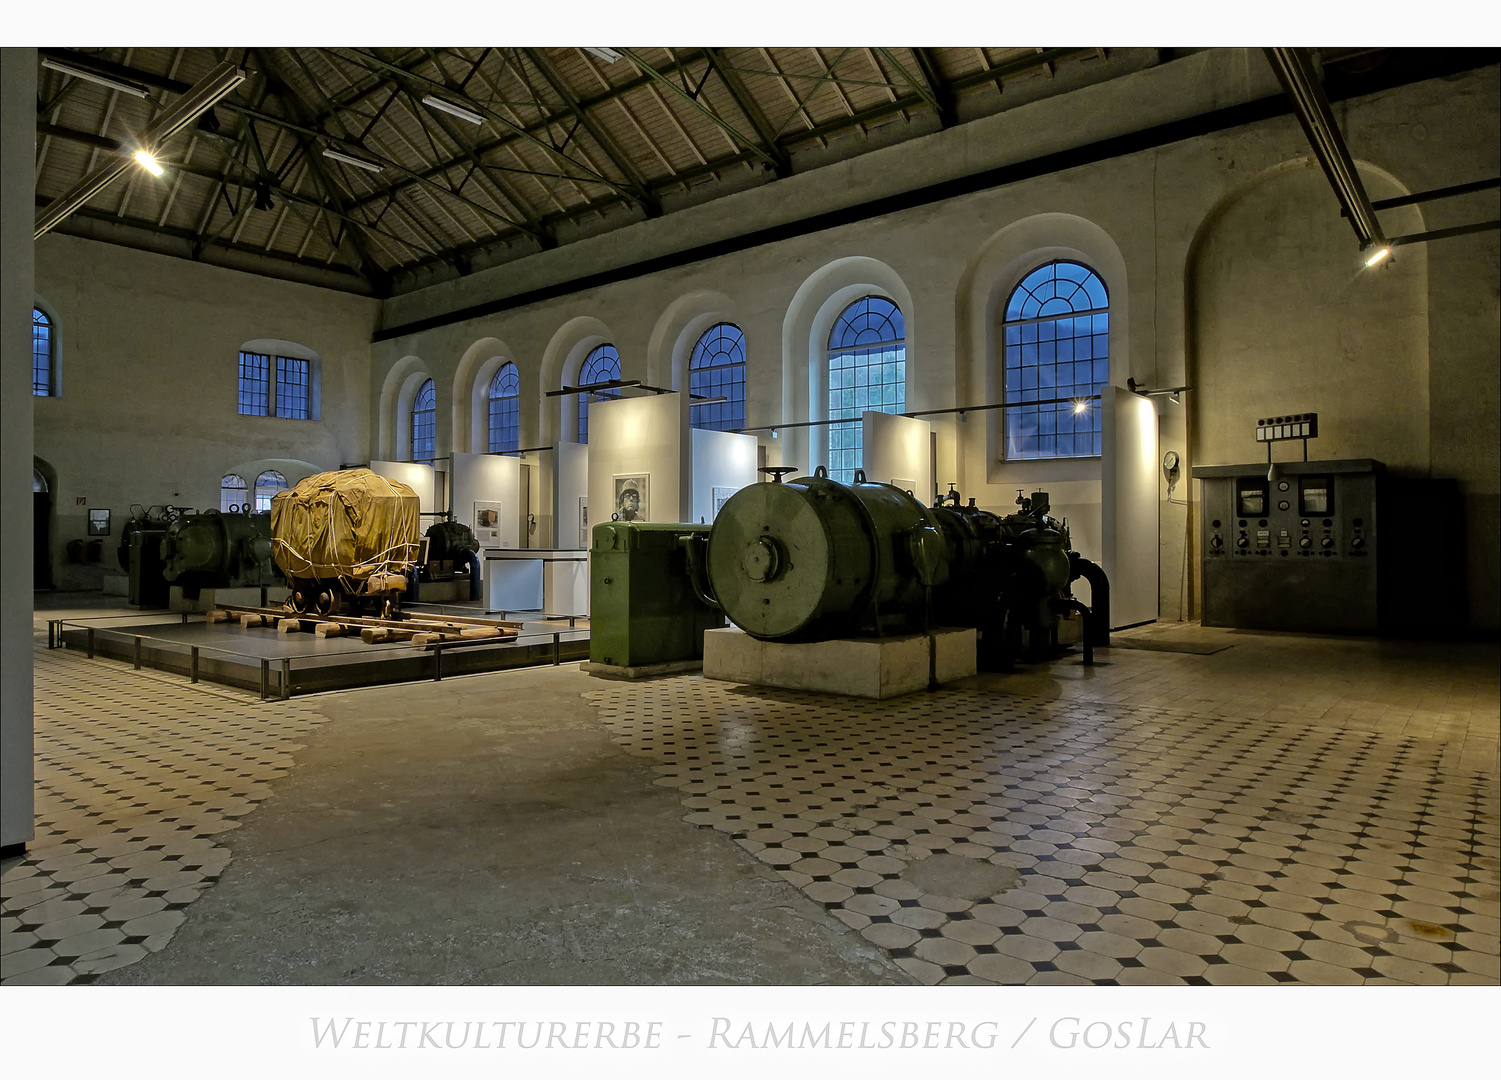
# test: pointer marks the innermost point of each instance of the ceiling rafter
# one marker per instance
(737, 138)
(781, 164)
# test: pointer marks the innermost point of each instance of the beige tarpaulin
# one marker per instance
(348, 524)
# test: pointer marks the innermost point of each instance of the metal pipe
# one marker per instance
(1099, 598)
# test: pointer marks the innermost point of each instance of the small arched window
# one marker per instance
(505, 409)
(38, 482)
(232, 493)
(867, 372)
(1057, 360)
(43, 354)
(266, 486)
(717, 369)
(425, 423)
(601, 365)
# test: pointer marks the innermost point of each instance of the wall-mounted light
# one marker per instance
(1380, 254)
(147, 161)
(347, 159)
(443, 105)
(1080, 406)
(773, 433)
(1172, 393)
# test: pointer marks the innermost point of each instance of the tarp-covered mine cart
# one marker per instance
(346, 538)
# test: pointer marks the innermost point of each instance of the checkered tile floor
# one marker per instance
(137, 774)
(986, 839)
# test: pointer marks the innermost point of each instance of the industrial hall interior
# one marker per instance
(508, 515)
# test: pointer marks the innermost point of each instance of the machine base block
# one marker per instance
(857, 667)
(641, 671)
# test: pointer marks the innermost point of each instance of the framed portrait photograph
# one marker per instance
(631, 497)
(720, 496)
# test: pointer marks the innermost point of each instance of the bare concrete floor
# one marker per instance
(497, 835)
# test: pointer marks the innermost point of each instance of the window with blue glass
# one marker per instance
(717, 369)
(275, 386)
(1057, 360)
(505, 409)
(425, 423)
(266, 486)
(601, 365)
(867, 372)
(232, 497)
(43, 354)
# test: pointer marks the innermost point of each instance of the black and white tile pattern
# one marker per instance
(981, 838)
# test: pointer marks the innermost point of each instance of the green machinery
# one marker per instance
(813, 559)
(218, 551)
(643, 610)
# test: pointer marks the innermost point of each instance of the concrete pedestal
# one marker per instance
(858, 667)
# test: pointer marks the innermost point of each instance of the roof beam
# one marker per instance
(662, 80)
(933, 87)
(781, 163)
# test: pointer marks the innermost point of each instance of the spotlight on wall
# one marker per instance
(773, 433)
(348, 159)
(1080, 406)
(433, 101)
(147, 161)
(1380, 254)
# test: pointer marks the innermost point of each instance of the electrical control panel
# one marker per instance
(1291, 548)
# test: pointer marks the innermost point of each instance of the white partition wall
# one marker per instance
(423, 479)
(899, 448)
(723, 463)
(637, 444)
(570, 494)
(487, 496)
(1128, 508)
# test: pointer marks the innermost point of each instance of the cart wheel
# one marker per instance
(297, 601)
(328, 602)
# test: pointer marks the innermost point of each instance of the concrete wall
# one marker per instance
(1228, 267)
(17, 181)
(149, 370)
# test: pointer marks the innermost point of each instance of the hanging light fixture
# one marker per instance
(147, 160)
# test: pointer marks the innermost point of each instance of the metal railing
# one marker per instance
(284, 683)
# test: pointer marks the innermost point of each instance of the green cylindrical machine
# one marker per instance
(812, 558)
(219, 551)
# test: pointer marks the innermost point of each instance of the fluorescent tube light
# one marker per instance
(434, 101)
(94, 77)
(1376, 258)
(347, 159)
(148, 162)
(609, 56)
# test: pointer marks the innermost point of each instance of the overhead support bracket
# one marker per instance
(187, 109)
(1295, 71)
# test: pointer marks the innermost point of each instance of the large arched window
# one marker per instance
(43, 354)
(601, 365)
(232, 493)
(266, 486)
(425, 423)
(717, 369)
(505, 409)
(1057, 360)
(867, 372)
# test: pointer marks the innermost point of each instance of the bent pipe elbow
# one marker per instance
(471, 559)
(695, 548)
(1097, 628)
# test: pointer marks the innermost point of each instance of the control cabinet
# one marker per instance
(1329, 546)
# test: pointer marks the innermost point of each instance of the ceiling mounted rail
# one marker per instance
(184, 111)
(1295, 71)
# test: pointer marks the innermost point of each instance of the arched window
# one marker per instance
(717, 369)
(867, 371)
(38, 482)
(232, 493)
(266, 486)
(601, 365)
(43, 354)
(1056, 334)
(505, 409)
(425, 423)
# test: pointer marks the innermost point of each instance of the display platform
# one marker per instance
(280, 665)
(857, 667)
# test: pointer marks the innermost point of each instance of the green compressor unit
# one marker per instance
(642, 605)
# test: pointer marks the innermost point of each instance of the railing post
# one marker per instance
(53, 633)
(556, 649)
(437, 661)
(91, 643)
(286, 678)
(265, 679)
(193, 663)
(138, 652)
